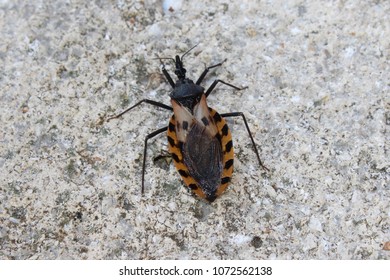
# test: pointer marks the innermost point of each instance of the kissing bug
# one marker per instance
(199, 140)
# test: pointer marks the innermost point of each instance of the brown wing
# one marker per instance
(202, 154)
(201, 148)
(184, 120)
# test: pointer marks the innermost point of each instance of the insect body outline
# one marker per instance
(199, 139)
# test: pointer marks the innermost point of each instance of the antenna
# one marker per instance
(188, 52)
(161, 58)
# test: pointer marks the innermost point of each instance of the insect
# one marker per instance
(199, 140)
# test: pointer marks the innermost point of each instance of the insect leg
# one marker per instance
(154, 103)
(206, 71)
(166, 74)
(151, 135)
(241, 114)
(210, 89)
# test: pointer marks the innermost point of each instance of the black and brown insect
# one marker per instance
(199, 139)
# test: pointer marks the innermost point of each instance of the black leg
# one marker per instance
(151, 135)
(240, 114)
(220, 81)
(166, 74)
(154, 103)
(206, 71)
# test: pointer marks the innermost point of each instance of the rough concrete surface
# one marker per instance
(317, 103)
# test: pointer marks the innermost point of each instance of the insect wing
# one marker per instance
(202, 115)
(201, 146)
(202, 154)
(184, 120)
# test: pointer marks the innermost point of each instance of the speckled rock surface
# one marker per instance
(317, 103)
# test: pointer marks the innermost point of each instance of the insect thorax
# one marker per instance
(187, 93)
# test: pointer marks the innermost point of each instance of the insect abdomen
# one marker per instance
(217, 179)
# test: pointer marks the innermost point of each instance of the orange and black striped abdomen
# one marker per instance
(225, 139)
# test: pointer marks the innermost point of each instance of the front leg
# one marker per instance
(206, 71)
(165, 72)
(213, 85)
